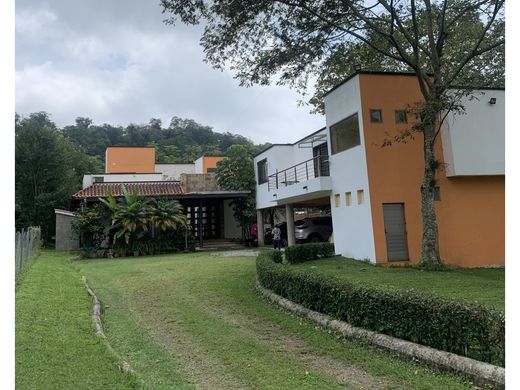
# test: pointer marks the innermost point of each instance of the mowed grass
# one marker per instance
(483, 286)
(56, 345)
(196, 321)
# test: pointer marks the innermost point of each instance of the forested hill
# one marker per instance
(183, 141)
(50, 162)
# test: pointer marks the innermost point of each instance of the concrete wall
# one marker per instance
(199, 182)
(173, 171)
(474, 142)
(66, 237)
(88, 180)
(231, 226)
(352, 225)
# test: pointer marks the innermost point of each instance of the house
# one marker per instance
(374, 191)
(207, 206)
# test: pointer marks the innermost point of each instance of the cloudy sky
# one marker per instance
(117, 62)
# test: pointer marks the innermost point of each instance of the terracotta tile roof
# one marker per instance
(149, 188)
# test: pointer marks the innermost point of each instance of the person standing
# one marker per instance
(277, 238)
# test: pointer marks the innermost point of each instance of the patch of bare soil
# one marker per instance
(293, 347)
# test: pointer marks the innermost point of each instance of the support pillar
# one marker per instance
(260, 227)
(289, 217)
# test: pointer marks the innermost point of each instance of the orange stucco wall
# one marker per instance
(471, 213)
(210, 162)
(130, 160)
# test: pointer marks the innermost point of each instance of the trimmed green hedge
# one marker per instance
(306, 252)
(449, 325)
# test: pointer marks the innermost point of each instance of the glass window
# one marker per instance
(348, 198)
(360, 197)
(376, 116)
(262, 171)
(345, 134)
(337, 200)
(211, 170)
(99, 179)
(400, 116)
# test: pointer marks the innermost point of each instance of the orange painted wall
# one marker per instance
(128, 159)
(471, 213)
(210, 162)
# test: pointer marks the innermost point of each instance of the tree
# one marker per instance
(289, 40)
(49, 169)
(131, 217)
(236, 173)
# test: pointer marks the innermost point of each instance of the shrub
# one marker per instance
(272, 255)
(306, 252)
(453, 326)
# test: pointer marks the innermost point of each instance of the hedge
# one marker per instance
(462, 328)
(306, 252)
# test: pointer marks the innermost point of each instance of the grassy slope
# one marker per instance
(204, 311)
(484, 286)
(56, 347)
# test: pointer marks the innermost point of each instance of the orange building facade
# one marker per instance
(119, 159)
(470, 209)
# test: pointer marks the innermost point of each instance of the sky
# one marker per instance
(116, 62)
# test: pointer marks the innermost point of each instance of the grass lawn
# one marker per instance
(56, 347)
(484, 285)
(195, 321)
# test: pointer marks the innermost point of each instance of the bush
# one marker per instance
(462, 328)
(272, 255)
(306, 252)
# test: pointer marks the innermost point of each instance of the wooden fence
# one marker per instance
(27, 243)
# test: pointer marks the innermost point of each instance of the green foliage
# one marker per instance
(307, 252)
(273, 255)
(236, 173)
(91, 223)
(450, 325)
(49, 169)
(183, 141)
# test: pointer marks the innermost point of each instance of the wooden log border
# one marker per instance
(481, 373)
(96, 318)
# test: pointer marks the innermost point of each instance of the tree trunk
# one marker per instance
(429, 250)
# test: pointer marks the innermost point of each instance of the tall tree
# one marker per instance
(288, 40)
(49, 169)
(236, 173)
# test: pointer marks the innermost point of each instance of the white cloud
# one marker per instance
(118, 63)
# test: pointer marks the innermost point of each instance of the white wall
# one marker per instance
(121, 178)
(231, 227)
(353, 231)
(198, 165)
(278, 157)
(174, 171)
(473, 143)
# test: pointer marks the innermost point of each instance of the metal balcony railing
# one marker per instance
(315, 167)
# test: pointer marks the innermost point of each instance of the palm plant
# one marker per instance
(129, 217)
(168, 215)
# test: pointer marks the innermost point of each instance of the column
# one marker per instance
(289, 217)
(260, 227)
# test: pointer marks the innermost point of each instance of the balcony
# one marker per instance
(302, 182)
(304, 171)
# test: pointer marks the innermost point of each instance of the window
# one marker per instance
(348, 198)
(360, 197)
(337, 200)
(345, 134)
(99, 179)
(262, 171)
(376, 116)
(400, 116)
(211, 170)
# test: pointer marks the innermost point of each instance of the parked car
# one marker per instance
(313, 229)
